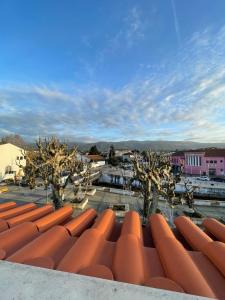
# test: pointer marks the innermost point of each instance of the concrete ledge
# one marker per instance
(80, 205)
(24, 282)
(91, 192)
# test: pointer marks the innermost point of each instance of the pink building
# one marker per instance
(209, 161)
(178, 158)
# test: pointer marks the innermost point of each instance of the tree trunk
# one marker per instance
(146, 206)
(58, 196)
(147, 198)
(154, 203)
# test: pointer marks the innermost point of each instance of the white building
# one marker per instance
(128, 156)
(11, 157)
(121, 152)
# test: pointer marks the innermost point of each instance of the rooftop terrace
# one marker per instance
(185, 260)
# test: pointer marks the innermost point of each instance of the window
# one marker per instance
(207, 161)
(18, 158)
(221, 170)
(221, 161)
(215, 161)
(25, 157)
(8, 169)
(21, 157)
(211, 161)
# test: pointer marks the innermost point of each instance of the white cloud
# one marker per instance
(176, 23)
(134, 29)
(188, 102)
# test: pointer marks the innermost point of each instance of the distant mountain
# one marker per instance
(144, 145)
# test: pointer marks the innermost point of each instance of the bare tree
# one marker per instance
(50, 162)
(188, 197)
(85, 181)
(14, 139)
(154, 172)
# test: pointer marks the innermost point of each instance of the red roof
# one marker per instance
(215, 152)
(190, 260)
(209, 152)
(95, 157)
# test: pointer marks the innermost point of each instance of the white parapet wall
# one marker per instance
(24, 282)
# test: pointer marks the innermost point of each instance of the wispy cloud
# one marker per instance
(132, 30)
(187, 102)
(134, 26)
(176, 23)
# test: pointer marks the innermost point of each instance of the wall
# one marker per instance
(8, 157)
(26, 282)
(177, 160)
(206, 165)
(97, 164)
(218, 166)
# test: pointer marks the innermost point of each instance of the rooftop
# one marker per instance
(210, 152)
(215, 152)
(178, 153)
(99, 246)
(95, 157)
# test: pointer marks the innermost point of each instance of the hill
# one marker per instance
(144, 145)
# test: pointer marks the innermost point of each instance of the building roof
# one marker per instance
(182, 260)
(9, 145)
(215, 152)
(128, 153)
(178, 153)
(210, 152)
(96, 157)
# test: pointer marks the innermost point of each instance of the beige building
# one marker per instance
(11, 157)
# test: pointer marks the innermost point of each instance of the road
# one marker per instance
(100, 201)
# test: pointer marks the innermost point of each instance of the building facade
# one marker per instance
(210, 162)
(11, 157)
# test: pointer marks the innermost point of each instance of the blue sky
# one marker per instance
(113, 70)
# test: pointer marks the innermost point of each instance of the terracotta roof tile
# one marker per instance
(31, 215)
(77, 225)
(17, 211)
(7, 205)
(3, 225)
(195, 237)
(128, 252)
(56, 217)
(216, 228)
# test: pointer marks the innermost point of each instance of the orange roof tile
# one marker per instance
(31, 215)
(3, 225)
(195, 237)
(102, 247)
(7, 205)
(216, 228)
(77, 225)
(57, 217)
(17, 211)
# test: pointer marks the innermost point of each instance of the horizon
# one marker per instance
(113, 71)
(63, 139)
